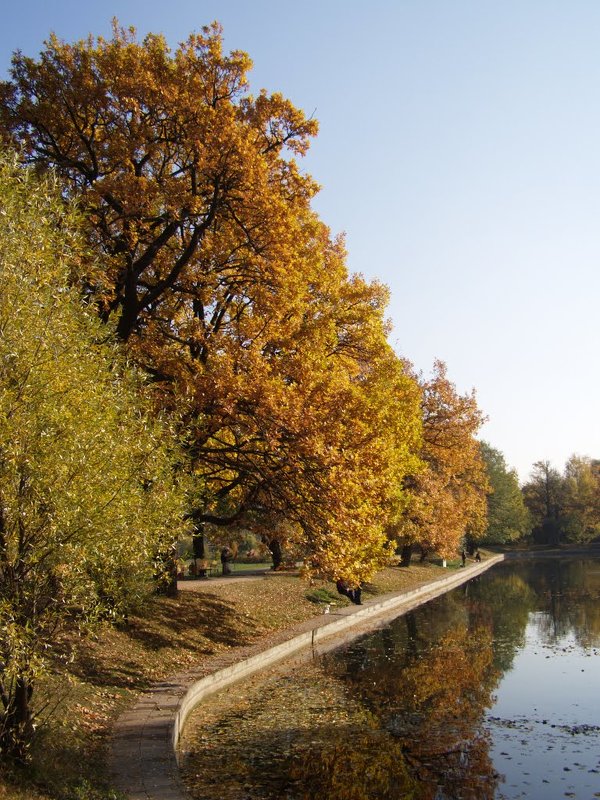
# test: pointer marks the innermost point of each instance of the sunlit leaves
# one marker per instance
(86, 489)
(228, 288)
(448, 496)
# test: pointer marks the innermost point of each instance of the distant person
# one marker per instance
(478, 556)
(463, 558)
(355, 595)
(226, 558)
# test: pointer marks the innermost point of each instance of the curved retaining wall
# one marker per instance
(143, 760)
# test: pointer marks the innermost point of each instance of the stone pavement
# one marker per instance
(143, 758)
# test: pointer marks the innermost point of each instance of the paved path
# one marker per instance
(202, 584)
(143, 761)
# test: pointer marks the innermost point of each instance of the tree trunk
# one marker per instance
(198, 548)
(170, 589)
(406, 555)
(276, 552)
(16, 726)
(198, 545)
(166, 583)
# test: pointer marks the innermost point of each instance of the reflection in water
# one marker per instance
(409, 711)
(428, 692)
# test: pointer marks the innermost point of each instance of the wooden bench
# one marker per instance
(206, 572)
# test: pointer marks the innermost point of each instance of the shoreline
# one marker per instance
(143, 757)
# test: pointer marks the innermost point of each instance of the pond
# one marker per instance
(491, 691)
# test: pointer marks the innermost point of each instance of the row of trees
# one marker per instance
(551, 507)
(223, 286)
(190, 350)
(564, 507)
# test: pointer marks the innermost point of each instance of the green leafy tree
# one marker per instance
(508, 519)
(86, 489)
(544, 497)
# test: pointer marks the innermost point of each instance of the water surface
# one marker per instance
(491, 691)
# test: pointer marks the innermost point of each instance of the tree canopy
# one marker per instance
(87, 498)
(564, 506)
(507, 516)
(181, 171)
(447, 497)
(227, 288)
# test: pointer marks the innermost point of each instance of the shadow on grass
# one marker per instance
(134, 655)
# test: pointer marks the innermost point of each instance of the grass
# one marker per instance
(323, 596)
(242, 566)
(110, 668)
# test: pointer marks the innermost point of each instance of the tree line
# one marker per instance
(183, 348)
(564, 507)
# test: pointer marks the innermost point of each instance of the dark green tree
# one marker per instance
(508, 517)
(544, 496)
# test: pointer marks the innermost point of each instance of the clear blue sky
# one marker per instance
(459, 150)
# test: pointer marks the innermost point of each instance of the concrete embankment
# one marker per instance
(143, 758)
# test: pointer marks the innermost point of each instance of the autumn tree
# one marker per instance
(87, 499)
(179, 169)
(225, 285)
(448, 495)
(581, 497)
(507, 516)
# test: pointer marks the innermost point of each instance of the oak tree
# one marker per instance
(448, 495)
(227, 288)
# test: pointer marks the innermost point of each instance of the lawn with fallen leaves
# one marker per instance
(109, 669)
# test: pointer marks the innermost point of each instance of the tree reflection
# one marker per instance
(398, 714)
(503, 601)
(429, 677)
(365, 764)
(567, 599)
(430, 696)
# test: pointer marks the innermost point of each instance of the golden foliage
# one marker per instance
(448, 496)
(229, 290)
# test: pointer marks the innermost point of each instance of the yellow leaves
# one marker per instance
(86, 482)
(227, 287)
(448, 497)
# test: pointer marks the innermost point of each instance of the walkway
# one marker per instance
(201, 584)
(143, 760)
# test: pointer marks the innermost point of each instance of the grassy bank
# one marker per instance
(208, 623)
